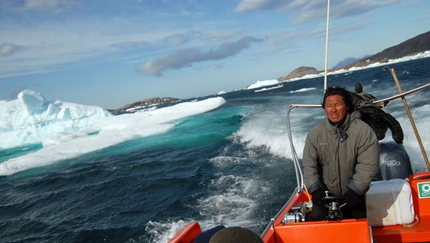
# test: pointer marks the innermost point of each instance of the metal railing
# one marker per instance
(297, 167)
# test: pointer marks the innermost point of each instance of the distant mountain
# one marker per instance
(420, 43)
(413, 46)
(349, 61)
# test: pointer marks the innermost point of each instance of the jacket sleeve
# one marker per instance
(310, 165)
(367, 165)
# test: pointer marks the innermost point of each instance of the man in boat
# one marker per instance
(341, 156)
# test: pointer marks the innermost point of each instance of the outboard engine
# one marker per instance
(393, 162)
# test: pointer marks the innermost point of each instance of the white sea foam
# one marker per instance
(302, 90)
(168, 229)
(232, 204)
(263, 83)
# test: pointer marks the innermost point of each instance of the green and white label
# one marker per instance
(424, 189)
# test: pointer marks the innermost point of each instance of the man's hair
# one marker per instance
(338, 90)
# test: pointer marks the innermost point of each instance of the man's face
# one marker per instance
(335, 108)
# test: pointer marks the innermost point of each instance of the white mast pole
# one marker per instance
(326, 46)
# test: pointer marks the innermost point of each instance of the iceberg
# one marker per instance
(68, 130)
(30, 119)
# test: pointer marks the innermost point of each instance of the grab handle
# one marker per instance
(420, 176)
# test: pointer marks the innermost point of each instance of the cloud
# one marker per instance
(177, 39)
(170, 40)
(255, 5)
(338, 9)
(8, 49)
(176, 60)
(45, 6)
(347, 9)
(310, 10)
(41, 5)
(186, 57)
(130, 44)
(221, 36)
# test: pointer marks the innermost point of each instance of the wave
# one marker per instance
(302, 90)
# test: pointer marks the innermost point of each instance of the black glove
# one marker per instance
(317, 197)
(352, 198)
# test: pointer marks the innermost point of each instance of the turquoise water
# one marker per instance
(6, 154)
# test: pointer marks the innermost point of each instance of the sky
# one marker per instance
(110, 53)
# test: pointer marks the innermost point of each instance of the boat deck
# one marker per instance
(399, 233)
(323, 231)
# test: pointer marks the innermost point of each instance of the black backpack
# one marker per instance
(373, 115)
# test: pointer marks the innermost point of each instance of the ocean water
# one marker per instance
(229, 166)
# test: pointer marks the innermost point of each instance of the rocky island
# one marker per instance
(141, 104)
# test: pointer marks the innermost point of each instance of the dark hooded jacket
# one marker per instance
(335, 165)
